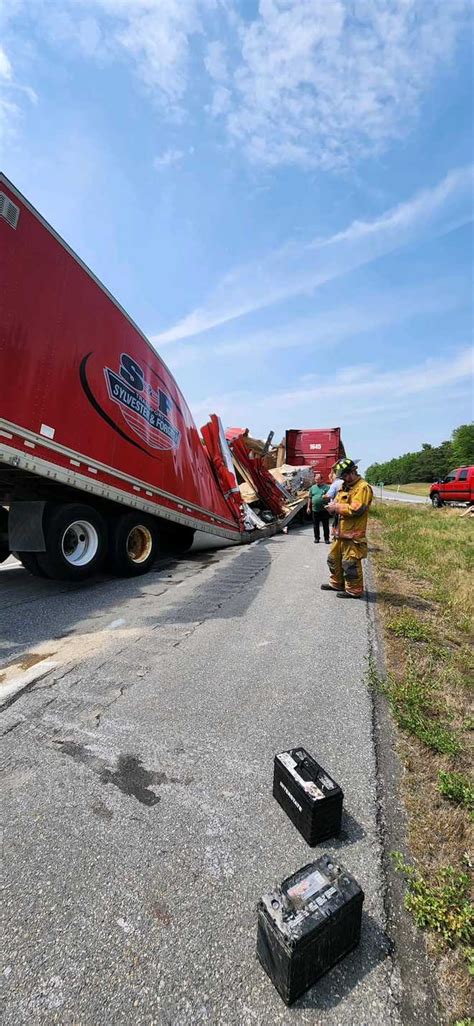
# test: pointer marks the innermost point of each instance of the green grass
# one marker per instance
(441, 904)
(434, 547)
(424, 561)
(417, 488)
(457, 788)
(434, 558)
(418, 708)
(409, 626)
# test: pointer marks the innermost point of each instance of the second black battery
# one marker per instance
(308, 794)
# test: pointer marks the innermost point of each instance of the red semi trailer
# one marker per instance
(99, 456)
(315, 447)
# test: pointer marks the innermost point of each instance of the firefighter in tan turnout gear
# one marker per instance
(349, 547)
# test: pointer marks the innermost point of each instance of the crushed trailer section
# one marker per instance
(274, 496)
(266, 483)
(292, 464)
(100, 459)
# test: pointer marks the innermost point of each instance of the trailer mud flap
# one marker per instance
(25, 527)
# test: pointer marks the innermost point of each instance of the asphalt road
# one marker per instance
(400, 496)
(140, 828)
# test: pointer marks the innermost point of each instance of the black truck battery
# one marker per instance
(307, 925)
(309, 796)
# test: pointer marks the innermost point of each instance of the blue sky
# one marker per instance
(279, 193)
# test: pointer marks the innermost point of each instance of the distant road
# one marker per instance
(400, 496)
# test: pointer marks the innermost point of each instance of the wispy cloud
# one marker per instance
(415, 380)
(154, 36)
(321, 83)
(316, 83)
(325, 329)
(157, 36)
(168, 158)
(351, 390)
(10, 111)
(5, 66)
(297, 269)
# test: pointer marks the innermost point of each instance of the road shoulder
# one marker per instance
(417, 996)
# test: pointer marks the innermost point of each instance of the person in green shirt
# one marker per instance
(316, 506)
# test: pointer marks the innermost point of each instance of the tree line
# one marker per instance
(429, 463)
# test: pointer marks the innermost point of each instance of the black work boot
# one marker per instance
(346, 594)
(327, 587)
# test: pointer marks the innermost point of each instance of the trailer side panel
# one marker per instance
(82, 389)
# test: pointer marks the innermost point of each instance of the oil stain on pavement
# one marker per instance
(129, 775)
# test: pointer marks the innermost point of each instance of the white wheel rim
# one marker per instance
(79, 543)
(139, 544)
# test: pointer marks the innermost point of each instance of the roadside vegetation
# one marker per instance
(423, 564)
(412, 488)
(429, 463)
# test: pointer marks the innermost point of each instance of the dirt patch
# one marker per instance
(24, 662)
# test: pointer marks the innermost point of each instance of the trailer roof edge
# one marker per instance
(6, 181)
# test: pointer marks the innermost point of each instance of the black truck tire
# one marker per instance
(133, 544)
(436, 500)
(30, 563)
(4, 546)
(177, 539)
(76, 542)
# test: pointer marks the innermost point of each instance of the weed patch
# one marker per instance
(409, 626)
(420, 711)
(458, 788)
(442, 904)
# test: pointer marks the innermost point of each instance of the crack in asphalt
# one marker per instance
(229, 579)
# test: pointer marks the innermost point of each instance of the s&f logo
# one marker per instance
(145, 409)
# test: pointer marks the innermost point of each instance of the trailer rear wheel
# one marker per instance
(4, 546)
(76, 542)
(178, 539)
(133, 545)
(30, 563)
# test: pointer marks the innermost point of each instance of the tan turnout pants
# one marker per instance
(345, 565)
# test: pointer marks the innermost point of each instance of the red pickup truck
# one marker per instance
(458, 486)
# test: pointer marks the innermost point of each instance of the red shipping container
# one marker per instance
(314, 447)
